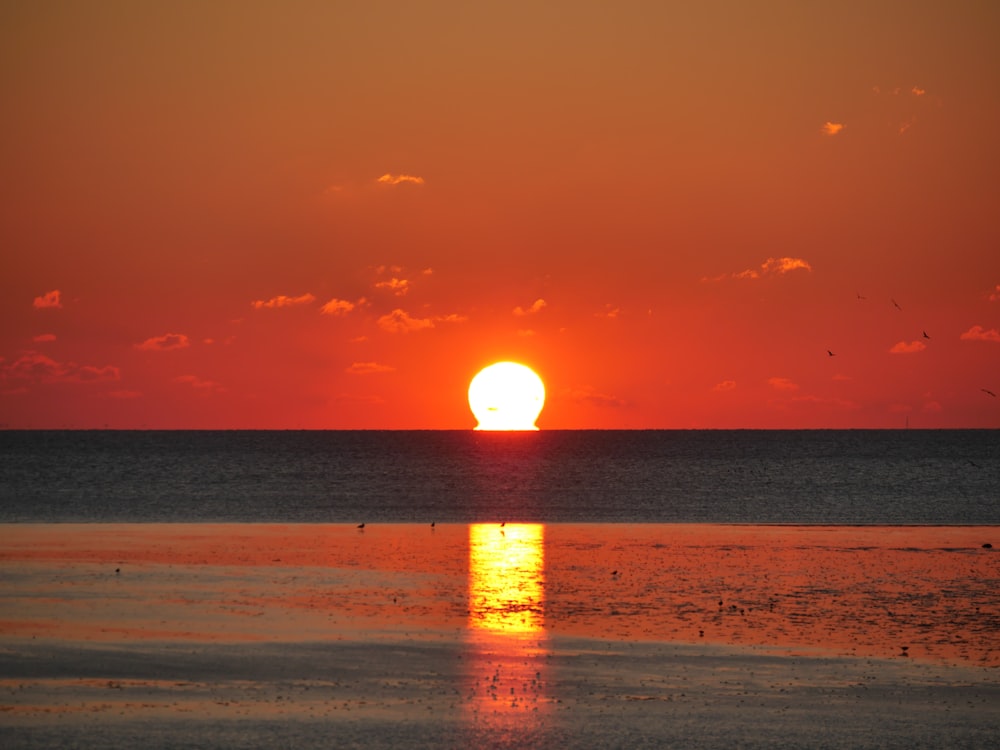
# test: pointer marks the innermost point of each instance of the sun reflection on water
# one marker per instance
(507, 648)
(506, 577)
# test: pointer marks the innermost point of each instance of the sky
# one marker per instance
(332, 215)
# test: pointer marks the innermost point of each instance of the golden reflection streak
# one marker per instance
(506, 577)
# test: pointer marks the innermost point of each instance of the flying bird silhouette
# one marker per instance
(896, 304)
(925, 335)
(988, 392)
(829, 353)
(860, 295)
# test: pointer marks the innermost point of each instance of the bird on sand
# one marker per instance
(361, 526)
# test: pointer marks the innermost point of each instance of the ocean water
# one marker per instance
(788, 477)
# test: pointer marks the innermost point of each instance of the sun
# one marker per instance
(506, 396)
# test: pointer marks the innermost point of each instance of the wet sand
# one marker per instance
(557, 635)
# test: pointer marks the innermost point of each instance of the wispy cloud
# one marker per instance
(337, 307)
(782, 384)
(44, 338)
(165, 343)
(589, 395)
(283, 301)
(609, 311)
(399, 321)
(537, 306)
(725, 385)
(368, 368)
(917, 91)
(198, 383)
(770, 267)
(35, 367)
(48, 300)
(399, 287)
(832, 128)
(907, 348)
(452, 318)
(399, 179)
(995, 294)
(978, 333)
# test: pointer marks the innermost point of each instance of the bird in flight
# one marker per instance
(829, 353)
(925, 335)
(860, 295)
(988, 392)
(896, 304)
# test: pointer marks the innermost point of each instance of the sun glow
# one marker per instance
(506, 396)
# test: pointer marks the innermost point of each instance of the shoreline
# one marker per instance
(563, 635)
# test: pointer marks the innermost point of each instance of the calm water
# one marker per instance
(804, 477)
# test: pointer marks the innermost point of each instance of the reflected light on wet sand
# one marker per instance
(506, 637)
(506, 575)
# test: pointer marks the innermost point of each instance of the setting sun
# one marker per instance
(506, 396)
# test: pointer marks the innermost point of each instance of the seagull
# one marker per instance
(896, 304)
(925, 335)
(361, 526)
(988, 392)
(432, 524)
(830, 353)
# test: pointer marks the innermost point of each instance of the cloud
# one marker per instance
(770, 267)
(368, 368)
(609, 311)
(782, 384)
(337, 307)
(725, 385)
(917, 91)
(398, 321)
(784, 265)
(832, 128)
(587, 395)
(125, 395)
(978, 333)
(165, 343)
(903, 348)
(43, 338)
(399, 287)
(452, 318)
(995, 294)
(200, 383)
(48, 300)
(283, 301)
(35, 367)
(398, 179)
(537, 306)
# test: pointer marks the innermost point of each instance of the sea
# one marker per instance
(822, 477)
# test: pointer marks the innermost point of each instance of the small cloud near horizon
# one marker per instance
(978, 333)
(399, 179)
(49, 300)
(35, 367)
(43, 338)
(283, 301)
(397, 286)
(537, 306)
(337, 307)
(725, 385)
(770, 267)
(165, 343)
(399, 321)
(783, 384)
(907, 348)
(832, 128)
(199, 383)
(995, 294)
(367, 368)
(589, 395)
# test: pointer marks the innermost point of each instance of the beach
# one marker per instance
(568, 635)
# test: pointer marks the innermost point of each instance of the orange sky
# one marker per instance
(333, 214)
